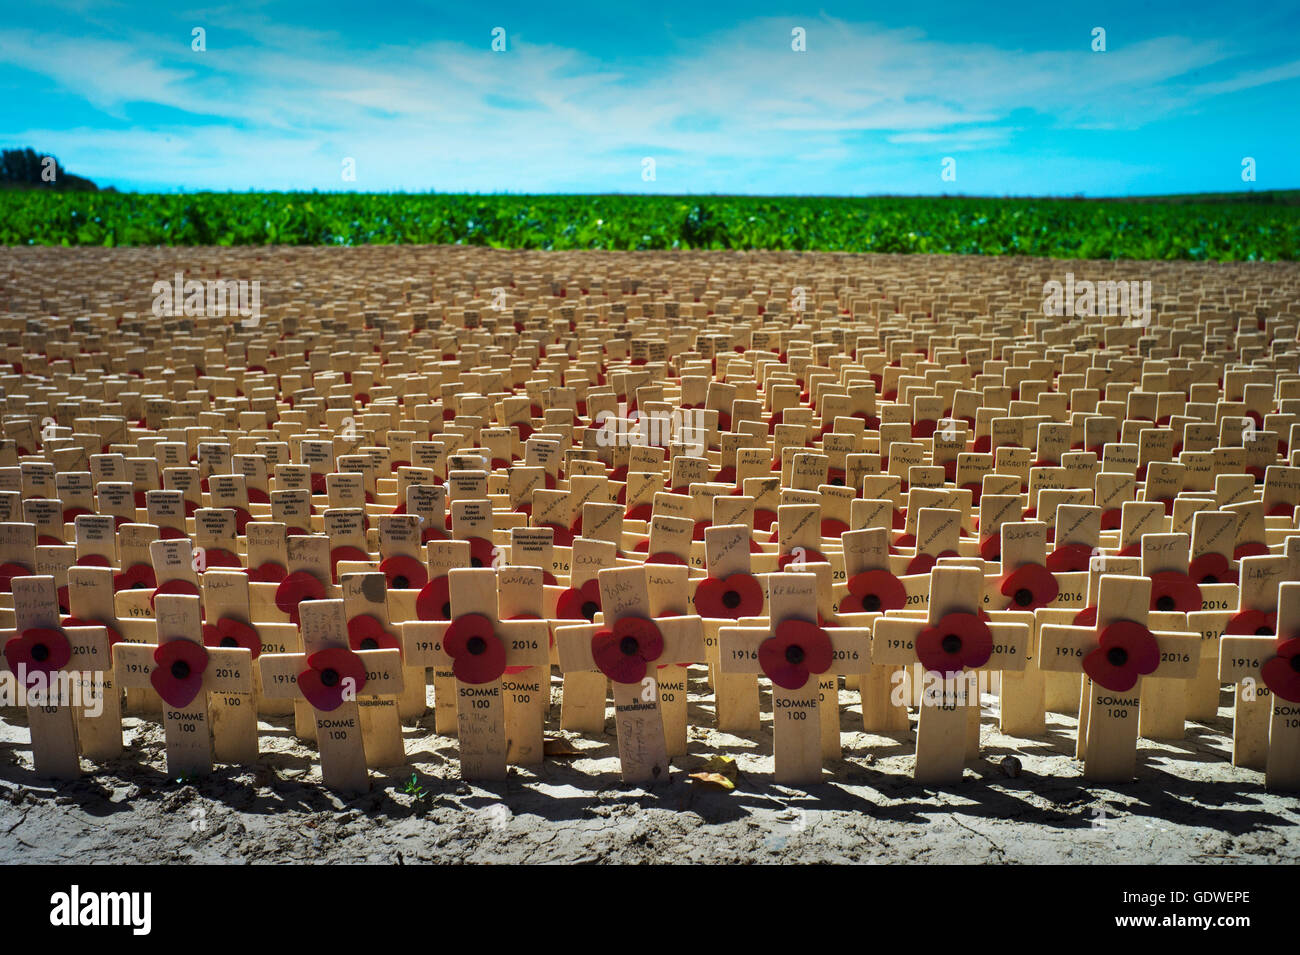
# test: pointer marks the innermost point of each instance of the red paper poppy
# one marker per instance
(294, 589)
(480, 552)
(404, 572)
(114, 637)
(1172, 590)
(833, 528)
(809, 556)
(183, 587)
(874, 591)
(976, 488)
(1212, 569)
(171, 534)
(1087, 617)
(1125, 651)
(663, 557)
(624, 652)
(1112, 520)
(959, 641)
(70, 514)
(296, 532)
(228, 632)
(924, 428)
(332, 676)
(579, 603)
(1030, 587)
(924, 563)
(434, 600)
(93, 560)
(135, 577)
(991, 548)
(37, 650)
(319, 484)
(477, 653)
(1070, 558)
(764, 519)
(1282, 673)
(640, 512)
(796, 651)
(561, 536)
(365, 632)
(257, 496)
(1250, 549)
(732, 597)
(220, 557)
(268, 572)
(178, 677)
(1253, 623)
(8, 572)
(345, 552)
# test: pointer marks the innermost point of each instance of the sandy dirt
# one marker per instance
(1188, 805)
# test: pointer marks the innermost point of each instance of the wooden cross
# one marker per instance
(1114, 656)
(332, 678)
(729, 593)
(1269, 665)
(66, 676)
(627, 648)
(872, 590)
(793, 651)
(182, 672)
(477, 645)
(955, 646)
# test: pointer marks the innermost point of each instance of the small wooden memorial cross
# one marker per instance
(628, 648)
(729, 593)
(954, 645)
(1114, 656)
(183, 672)
(65, 676)
(793, 651)
(1272, 663)
(331, 676)
(477, 646)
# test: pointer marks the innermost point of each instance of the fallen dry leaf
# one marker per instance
(714, 779)
(559, 748)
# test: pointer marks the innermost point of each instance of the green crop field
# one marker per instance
(1245, 227)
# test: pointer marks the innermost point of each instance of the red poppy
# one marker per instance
(924, 428)
(345, 552)
(296, 588)
(1125, 650)
(991, 548)
(1112, 519)
(365, 632)
(833, 528)
(580, 603)
(797, 650)
(1070, 558)
(959, 641)
(764, 519)
(404, 572)
(924, 563)
(1253, 623)
(1087, 617)
(257, 496)
(93, 560)
(1250, 549)
(809, 556)
(219, 557)
(268, 572)
(331, 676)
(624, 652)
(8, 572)
(114, 637)
(434, 600)
(1030, 587)
(38, 650)
(178, 677)
(1172, 590)
(663, 557)
(640, 512)
(477, 653)
(976, 488)
(738, 595)
(561, 536)
(874, 591)
(1282, 673)
(135, 577)
(228, 632)
(1212, 569)
(70, 514)
(318, 484)
(171, 534)
(480, 552)
(183, 587)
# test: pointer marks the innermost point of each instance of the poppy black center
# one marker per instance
(475, 562)
(140, 586)
(369, 643)
(401, 582)
(1295, 663)
(1209, 579)
(1165, 603)
(1117, 656)
(794, 654)
(329, 677)
(476, 646)
(180, 669)
(40, 653)
(731, 600)
(837, 482)
(629, 645)
(951, 643)
(871, 603)
(229, 642)
(1024, 597)
(1264, 632)
(446, 610)
(590, 609)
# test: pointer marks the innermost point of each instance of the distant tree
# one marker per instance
(28, 169)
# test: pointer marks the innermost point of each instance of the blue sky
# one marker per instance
(712, 92)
